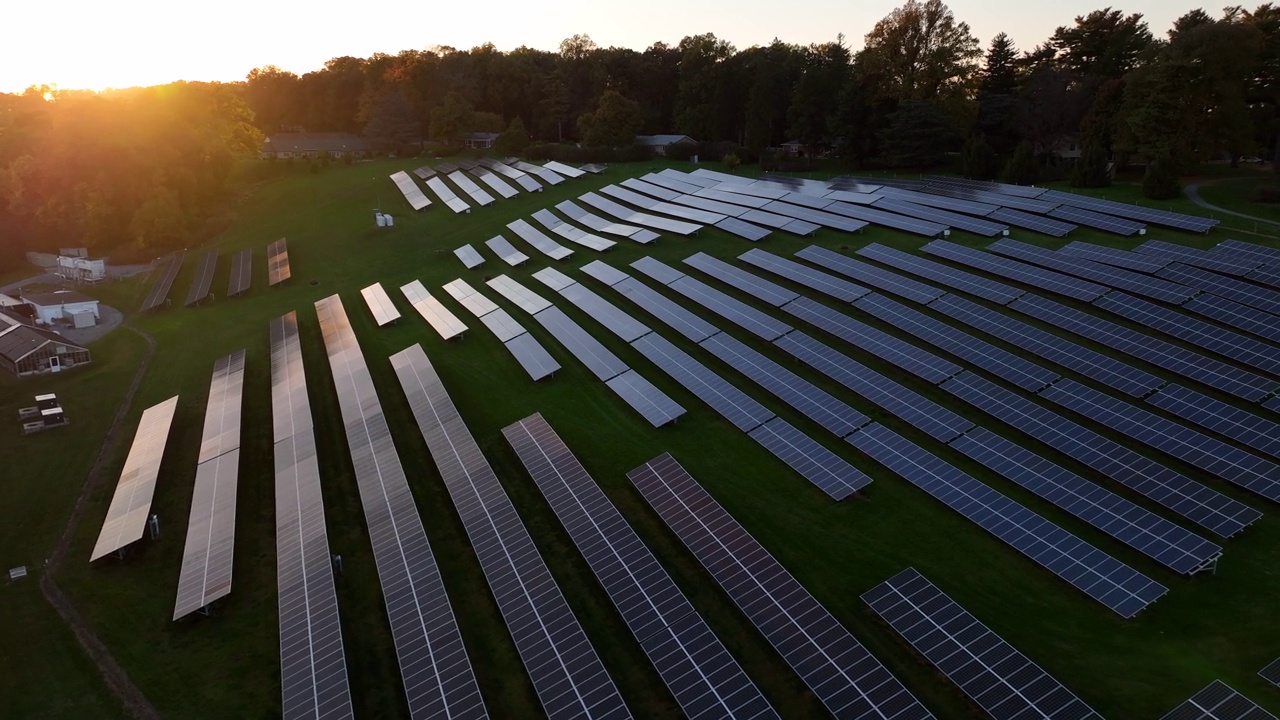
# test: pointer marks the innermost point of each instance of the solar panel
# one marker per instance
(313, 668)
(1014, 270)
(502, 325)
(478, 304)
(1194, 501)
(967, 282)
(748, 318)
(732, 198)
(1018, 202)
(1193, 447)
(1050, 346)
(1164, 218)
(609, 207)
(871, 275)
(160, 290)
(1245, 293)
(561, 168)
(469, 257)
(506, 251)
(566, 671)
(837, 288)
(1187, 363)
(1023, 191)
(522, 178)
(546, 175)
(278, 268)
(731, 403)
(595, 222)
(840, 671)
(676, 184)
(1268, 275)
(1217, 701)
(931, 418)
(241, 272)
(780, 222)
(203, 280)
(1223, 418)
(424, 172)
(941, 217)
(810, 400)
(1271, 673)
(1242, 317)
(495, 183)
(658, 270)
(599, 360)
(743, 229)
(700, 673)
(538, 240)
(709, 205)
(446, 167)
(1247, 250)
(606, 274)
(446, 194)
(815, 217)
(1165, 542)
(1100, 576)
(1272, 404)
(207, 555)
(1198, 258)
(1136, 283)
(524, 298)
(999, 679)
(571, 233)
(651, 189)
(1227, 343)
(436, 315)
(646, 399)
(1112, 256)
(813, 461)
(1036, 223)
(888, 219)
(1001, 363)
(924, 199)
(412, 193)
(757, 287)
(891, 349)
(468, 186)
(689, 178)
(595, 168)
(380, 305)
(651, 301)
(605, 312)
(131, 504)
(532, 356)
(1088, 218)
(433, 662)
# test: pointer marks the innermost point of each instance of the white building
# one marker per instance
(82, 269)
(59, 305)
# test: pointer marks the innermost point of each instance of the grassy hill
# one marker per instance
(227, 665)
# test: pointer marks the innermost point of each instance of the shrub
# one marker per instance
(731, 161)
(1023, 168)
(1161, 180)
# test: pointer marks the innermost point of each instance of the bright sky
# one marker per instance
(122, 43)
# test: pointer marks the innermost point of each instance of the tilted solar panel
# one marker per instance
(1014, 270)
(1243, 292)
(203, 280)
(731, 403)
(1113, 256)
(1244, 427)
(130, 507)
(967, 282)
(164, 282)
(1217, 701)
(1271, 673)
(538, 240)
(469, 256)
(380, 305)
(437, 315)
(942, 217)
(278, 267)
(241, 272)
(590, 352)
(534, 358)
(871, 275)
(1036, 223)
(1198, 258)
(837, 288)
(651, 301)
(1088, 218)
(1134, 282)
(1242, 317)
(645, 398)
(1179, 221)
(757, 287)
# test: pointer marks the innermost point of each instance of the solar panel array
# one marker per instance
(1014, 270)
(871, 275)
(313, 668)
(1236, 315)
(131, 503)
(495, 183)
(380, 306)
(412, 193)
(700, 673)
(1089, 218)
(966, 282)
(804, 275)
(241, 272)
(203, 280)
(839, 670)
(1164, 218)
(431, 310)
(1217, 701)
(538, 240)
(160, 290)
(999, 679)
(524, 347)
(468, 186)
(1223, 418)
(561, 168)
(1240, 291)
(437, 674)
(595, 222)
(1271, 673)
(546, 175)
(278, 268)
(1199, 258)
(567, 674)
(627, 215)
(521, 178)
(506, 251)
(1107, 275)
(1113, 256)
(571, 233)
(446, 194)
(207, 555)
(469, 256)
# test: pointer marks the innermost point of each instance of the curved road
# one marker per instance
(1192, 192)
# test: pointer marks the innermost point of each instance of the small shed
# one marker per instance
(60, 305)
(479, 140)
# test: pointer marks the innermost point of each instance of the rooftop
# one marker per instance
(662, 139)
(20, 340)
(58, 297)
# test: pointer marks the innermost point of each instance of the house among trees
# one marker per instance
(792, 148)
(27, 350)
(479, 140)
(660, 143)
(313, 145)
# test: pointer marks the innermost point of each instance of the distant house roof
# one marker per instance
(20, 341)
(661, 140)
(481, 136)
(314, 142)
(793, 143)
(60, 297)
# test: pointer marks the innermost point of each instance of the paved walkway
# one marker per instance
(1192, 192)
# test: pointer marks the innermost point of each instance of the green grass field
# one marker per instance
(227, 666)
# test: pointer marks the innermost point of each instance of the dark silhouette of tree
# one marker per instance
(1103, 44)
(514, 139)
(922, 52)
(978, 159)
(615, 122)
(1023, 168)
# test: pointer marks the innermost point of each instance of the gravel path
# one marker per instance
(113, 674)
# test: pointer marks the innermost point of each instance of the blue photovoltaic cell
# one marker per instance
(1192, 446)
(1113, 256)
(1227, 343)
(817, 217)
(1165, 542)
(1055, 348)
(1100, 576)
(1088, 218)
(1242, 292)
(955, 220)
(815, 403)
(1228, 420)
(837, 288)
(1218, 701)
(1022, 191)
(1179, 221)
(734, 405)
(967, 282)
(1014, 270)
(1247, 250)
(1187, 363)
(913, 197)
(678, 318)
(998, 678)
(748, 318)
(1136, 283)
(1037, 223)
(1002, 363)
(757, 287)
(1208, 508)
(1272, 404)
(829, 472)
(898, 352)
(919, 412)
(657, 270)
(1269, 275)
(1242, 317)
(604, 312)
(871, 275)
(889, 219)
(598, 359)
(742, 229)
(1198, 258)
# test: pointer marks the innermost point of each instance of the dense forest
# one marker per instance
(145, 166)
